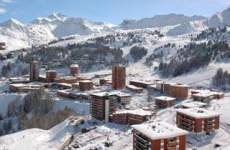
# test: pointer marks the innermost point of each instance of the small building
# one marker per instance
(103, 105)
(34, 70)
(67, 79)
(85, 85)
(51, 75)
(179, 91)
(24, 88)
(2, 45)
(75, 85)
(194, 104)
(218, 95)
(198, 120)
(60, 86)
(142, 84)
(105, 82)
(79, 95)
(164, 101)
(134, 88)
(63, 93)
(159, 85)
(206, 95)
(158, 136)
(74, 70)
(73, 95)
(203, 97)
(123, 98)
(131, 117)
(118, 77)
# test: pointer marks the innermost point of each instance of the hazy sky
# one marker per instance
(113, 11)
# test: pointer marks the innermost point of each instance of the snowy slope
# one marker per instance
(37, 139)
(159, 21)
(18, 35)
(220, 19)
(45, 29)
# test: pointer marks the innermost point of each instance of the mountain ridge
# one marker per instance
(55, 26)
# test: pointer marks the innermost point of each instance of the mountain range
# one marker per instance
(45, 29)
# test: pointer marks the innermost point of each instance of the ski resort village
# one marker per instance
(160, 83)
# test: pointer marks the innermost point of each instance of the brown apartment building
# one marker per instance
(197, 120)
(158, 136)
(34, 70)
(118, 77)
(131, 117)
(179, 91)
(164, 101)
(103, 104)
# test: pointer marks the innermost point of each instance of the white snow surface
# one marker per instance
(37, 139)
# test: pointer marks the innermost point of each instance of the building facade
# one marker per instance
(131, 117)
(85, 85)
(118, 77)
(74, 70)
(103, 105)
(164, 101)
(34, 70)
(158, 136)
(197, 120)
(2, 45)
(51, 75)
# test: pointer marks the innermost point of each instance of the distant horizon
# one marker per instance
(108, 11)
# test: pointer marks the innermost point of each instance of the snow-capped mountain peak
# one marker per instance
(12, 23)
(220, 19)
(57, 16)
(53, 18)
(159, 21)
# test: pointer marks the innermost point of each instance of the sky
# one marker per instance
(110, 11)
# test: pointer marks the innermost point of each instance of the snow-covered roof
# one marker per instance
(198, 112)
(194, 104)
(111, 93)
(178, 85)
(159, 130)
(144, 82)
(102, 94)
(165, 98)
(85, 81)
(134, 87)
(120, 94)
(140, 112)
(31, 85)
(74, 65)
(203, 94)
(51, 71)
(206, 93)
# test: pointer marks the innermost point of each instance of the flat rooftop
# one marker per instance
(159, 130)
(140, 112)
(102, 94)
(85, 81)
(194, 104)
(143, 82)
(165, 98)
(206, 93)
(111, 93)
(199, 113)
(134, 87)
(74, 65)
